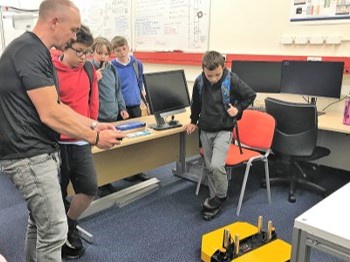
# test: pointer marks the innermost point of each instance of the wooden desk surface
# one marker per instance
(329, 219)
(333, 121)
(183, 118)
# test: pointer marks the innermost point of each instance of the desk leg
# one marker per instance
(304, 249)
(180, 169)
(295, 244)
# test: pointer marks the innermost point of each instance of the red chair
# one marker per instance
(254, 137)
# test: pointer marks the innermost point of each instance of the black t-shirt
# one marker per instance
(24, 65)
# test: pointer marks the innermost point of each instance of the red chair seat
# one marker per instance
(234, 156)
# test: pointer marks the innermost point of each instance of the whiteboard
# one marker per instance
(107, 18)
(169, 25)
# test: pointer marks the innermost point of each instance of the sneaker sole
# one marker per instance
(67, 256)
(209, 216)
(209, 209)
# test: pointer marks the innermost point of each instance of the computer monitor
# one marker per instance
(167, 95)
(312, 78)
(261, 76)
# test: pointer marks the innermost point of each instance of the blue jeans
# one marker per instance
(37, 179)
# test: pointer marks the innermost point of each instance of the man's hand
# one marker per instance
(105, 126)
(190, 128)
(109, 138)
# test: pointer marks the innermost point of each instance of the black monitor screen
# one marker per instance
(167, 93)
(261, 76)
(312, 78)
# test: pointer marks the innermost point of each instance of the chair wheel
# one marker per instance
(292, 198)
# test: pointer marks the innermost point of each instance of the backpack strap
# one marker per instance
(225, 88)
(90, 72)
(137, 73)
(113, 70)
(136, 70)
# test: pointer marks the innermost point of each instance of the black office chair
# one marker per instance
(294, 143)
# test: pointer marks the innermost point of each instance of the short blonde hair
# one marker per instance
(99, 42)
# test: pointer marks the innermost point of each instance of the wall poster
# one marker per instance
(320, 10)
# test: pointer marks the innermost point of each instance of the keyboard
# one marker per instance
(138, 133)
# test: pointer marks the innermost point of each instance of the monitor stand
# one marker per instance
(163, 125)
(313, 101)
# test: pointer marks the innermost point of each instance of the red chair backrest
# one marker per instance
(256, 129)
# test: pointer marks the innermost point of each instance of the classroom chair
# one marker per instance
(294, 143)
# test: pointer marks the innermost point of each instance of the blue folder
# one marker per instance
(130, 125)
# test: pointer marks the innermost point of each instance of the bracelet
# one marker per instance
(97, 138)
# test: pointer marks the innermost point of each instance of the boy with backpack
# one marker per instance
(218, 100)
(80, 93)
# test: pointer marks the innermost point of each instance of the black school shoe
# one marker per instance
(72, 253)
(212, 206)
(73, 248)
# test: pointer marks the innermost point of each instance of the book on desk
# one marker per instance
(131, 126)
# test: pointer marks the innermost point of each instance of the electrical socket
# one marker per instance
(286, 40)
(301, 40)
(314, 58)
(316, 40)
(333, 40)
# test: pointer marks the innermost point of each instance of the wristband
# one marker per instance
(97, 138)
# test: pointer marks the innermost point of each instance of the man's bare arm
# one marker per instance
(64, 120)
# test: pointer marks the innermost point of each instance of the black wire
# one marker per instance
(334, 103)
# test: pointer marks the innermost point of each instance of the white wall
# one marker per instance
(255, 27)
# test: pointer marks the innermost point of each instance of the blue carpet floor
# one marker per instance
(167, 225)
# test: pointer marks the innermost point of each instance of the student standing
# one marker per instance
(31, 116)
(130, 71)
(216, 118)
(77, 166)
(132, 84)
(109, 86)
(112, 104)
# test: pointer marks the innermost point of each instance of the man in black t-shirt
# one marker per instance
(32, 116)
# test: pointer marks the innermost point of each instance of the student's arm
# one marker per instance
(245, 93)
(120, 99)
(196, 104)
(118, 94)
(94, 98)
(195, 109)
(63, 119)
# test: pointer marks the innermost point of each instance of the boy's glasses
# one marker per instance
(80, 53)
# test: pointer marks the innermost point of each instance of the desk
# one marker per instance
(139, 154)
(324, 227)
(334, 135)
(333, 121)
